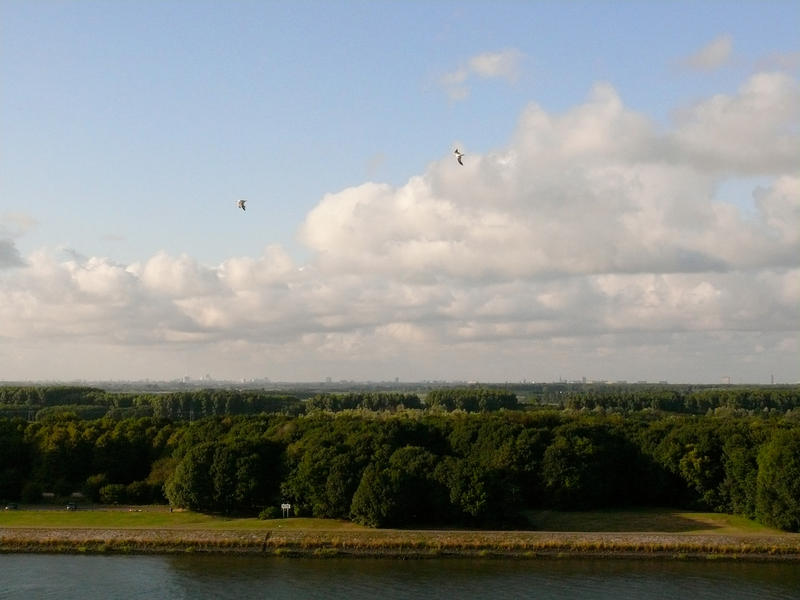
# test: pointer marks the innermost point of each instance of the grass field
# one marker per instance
(647, 520)
(156, 517)
(651, 532)
(655, 520)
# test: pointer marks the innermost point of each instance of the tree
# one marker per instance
(400, 491)
(373, 502)
(113, 493)
(778, 482)
(590, 465)
(190, 485)
(465, 481)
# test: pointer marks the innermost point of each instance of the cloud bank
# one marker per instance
(593, 243)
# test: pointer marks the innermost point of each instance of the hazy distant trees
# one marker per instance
(361, 400)
(58, 402)
(471, 399)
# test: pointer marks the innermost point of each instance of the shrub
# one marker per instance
(91, 488)
(271, 512)
(139, 492)
(113, 493)
(31, 493)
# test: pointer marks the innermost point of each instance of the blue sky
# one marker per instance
(129, 130)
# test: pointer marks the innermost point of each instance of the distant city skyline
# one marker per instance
(628, 206)
(266, 382)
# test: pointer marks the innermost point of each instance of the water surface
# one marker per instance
(196, 577)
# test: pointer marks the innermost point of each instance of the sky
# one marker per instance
(628, 207)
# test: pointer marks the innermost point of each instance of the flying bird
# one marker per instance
(459, 154)
(240, 204)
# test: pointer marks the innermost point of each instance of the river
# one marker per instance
(197, 577)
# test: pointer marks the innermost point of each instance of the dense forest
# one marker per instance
(470, 456)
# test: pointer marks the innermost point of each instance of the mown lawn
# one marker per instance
(650, 520)
(156, 518)
(661, 520)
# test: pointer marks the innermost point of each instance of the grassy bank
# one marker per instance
(650, 533)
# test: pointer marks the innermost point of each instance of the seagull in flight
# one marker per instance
(459, 154)
(240, 204)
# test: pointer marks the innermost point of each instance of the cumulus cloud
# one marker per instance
(713, 55)
(593, 237)
(596, 189)
(753, 131)
(9, 255)
(504, 65)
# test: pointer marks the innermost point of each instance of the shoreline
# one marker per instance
(401, 544)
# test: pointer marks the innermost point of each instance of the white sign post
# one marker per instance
(285, 509)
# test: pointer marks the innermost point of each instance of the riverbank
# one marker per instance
(400, 543)
(651, 533)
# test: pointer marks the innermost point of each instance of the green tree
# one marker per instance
(113, 493)
(778, 482)
(374, 502)
(190, 485)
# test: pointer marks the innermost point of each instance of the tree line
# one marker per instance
(411, 467)
(46, 402)
(683, 399)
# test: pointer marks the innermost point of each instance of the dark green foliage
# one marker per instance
(326, 463)
(467, 489)
(190, 485)
(14, 458)
(113, 493)
(225, 475)
(778, 483)
(31, 492)
(409, 468)
(590, 464)
(91, 489)
(400, 491)
(271, 512)
(140, 492)
(373, 503)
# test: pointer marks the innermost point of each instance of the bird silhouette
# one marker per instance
(459, 154)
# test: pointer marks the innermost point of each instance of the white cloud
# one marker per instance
(780, 206)
(713, 55)
(591, 241)
(503, 65)
(489, 65)
(597, 189)
(176, 277)
(755, 131)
